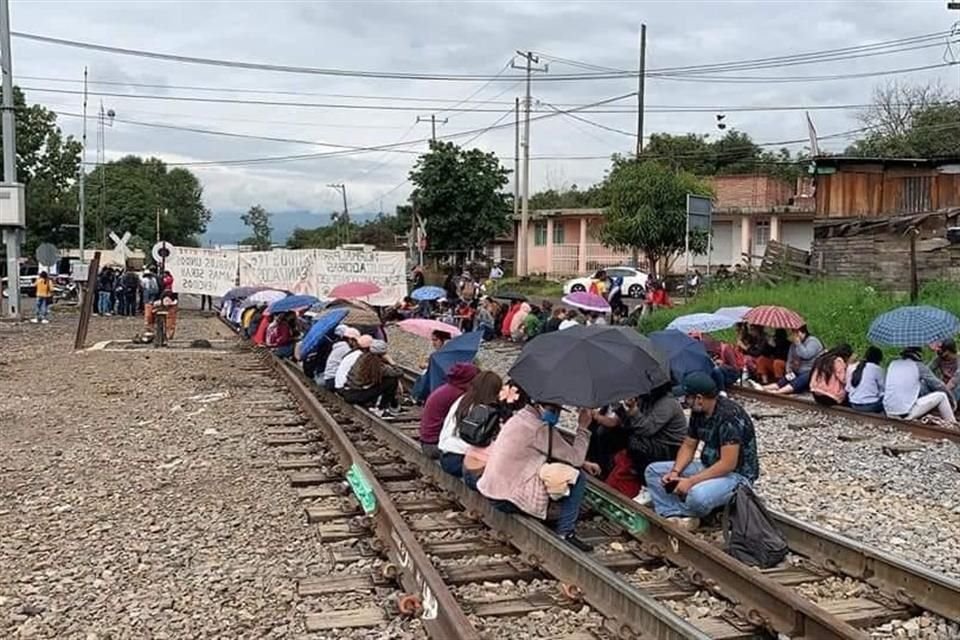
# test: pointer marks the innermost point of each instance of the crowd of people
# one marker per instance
(125, 292)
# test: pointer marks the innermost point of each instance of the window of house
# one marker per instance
(761, 233)
(559, 237)
(540, 233)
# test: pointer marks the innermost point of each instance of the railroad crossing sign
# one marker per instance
(47, 254)
(120, 247)
(161, 251)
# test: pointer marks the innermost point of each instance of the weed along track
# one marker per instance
(415, 547)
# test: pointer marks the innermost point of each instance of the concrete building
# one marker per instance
(748, 212)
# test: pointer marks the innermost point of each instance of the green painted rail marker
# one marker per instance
(633, 522)
(361, 489)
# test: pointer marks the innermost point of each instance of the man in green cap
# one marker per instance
(688, 490)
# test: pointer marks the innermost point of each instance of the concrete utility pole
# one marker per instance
(83, 172)
(641, 80)
(516, 174)
(11, 234)
(530, 60)
(345, 218)
(433, 124)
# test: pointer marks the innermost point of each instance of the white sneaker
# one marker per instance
(690, 524)
(44, 321)
(753, 384)
(34, 320)
(643, 498)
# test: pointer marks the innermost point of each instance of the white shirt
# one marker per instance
(566, 324)
(870, 389)
(902, 387)
(496, 273)
(343, 369)
(449, 441)
(339, 350)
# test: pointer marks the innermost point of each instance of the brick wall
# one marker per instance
(750, 191)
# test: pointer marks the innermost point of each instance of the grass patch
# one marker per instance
(531, 287)
(835, 310)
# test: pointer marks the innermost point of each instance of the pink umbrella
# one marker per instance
(423, 327)
(586, 301)
(351, 290)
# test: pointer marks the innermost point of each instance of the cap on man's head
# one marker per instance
(378, 347)
(365, 341)
(351, 333)
(699, 384)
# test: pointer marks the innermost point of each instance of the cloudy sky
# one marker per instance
(445, 38)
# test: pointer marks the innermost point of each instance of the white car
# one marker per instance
(633, 281)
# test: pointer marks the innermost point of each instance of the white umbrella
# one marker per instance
(267, 297)
(703, 322)
(736, 313)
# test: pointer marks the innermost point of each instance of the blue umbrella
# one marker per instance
(704, 322)
(291, 303)
(913, 327)
(428, 293)
(463, 348)
(323, 325)
(684, 354)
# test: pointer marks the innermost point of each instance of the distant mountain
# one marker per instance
(225, 227)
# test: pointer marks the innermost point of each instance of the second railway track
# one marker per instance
(465, 569)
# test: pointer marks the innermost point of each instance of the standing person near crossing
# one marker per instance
(44, 298)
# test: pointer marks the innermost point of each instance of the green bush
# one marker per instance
(835, 310)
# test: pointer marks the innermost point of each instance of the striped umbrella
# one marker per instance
(913, 327)
(774, 317)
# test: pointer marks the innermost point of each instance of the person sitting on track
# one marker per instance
(865, 383)
(344, 341)
(483, 392)
(911, 391)
(360, 346)
(518, 478)
(944, 366)
(828, 381)
(516, 322)
(803, 352)
(485, 319)
(772, 364)
(553, 322)
(688, 490)
(438, 404)
(655, 426)
(281, 334)
(373, 380)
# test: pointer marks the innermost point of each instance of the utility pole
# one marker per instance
(13, 218)
(525, 204)
(433, 124)
(516, 177)
(641, 80)
(345, 218)
(83, 172)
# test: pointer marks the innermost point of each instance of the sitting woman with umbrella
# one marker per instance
(531, 469)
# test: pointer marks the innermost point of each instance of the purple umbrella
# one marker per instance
(586, 301)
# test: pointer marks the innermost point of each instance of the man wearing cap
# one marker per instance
(688, 489)
(343, 369)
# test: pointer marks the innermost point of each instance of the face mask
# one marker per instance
(551, 417)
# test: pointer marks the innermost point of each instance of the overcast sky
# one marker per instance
(476, 38)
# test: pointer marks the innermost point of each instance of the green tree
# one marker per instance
(732, 154)
(572, 198)
(647, 210)
(381, 232)
(47, 164)
(458, 194)
(132, 193)
(258, 219)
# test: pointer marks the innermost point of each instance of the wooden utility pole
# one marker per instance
(433, 124)
(641, 80)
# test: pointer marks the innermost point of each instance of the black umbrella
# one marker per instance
(589, 366)
(509, 295)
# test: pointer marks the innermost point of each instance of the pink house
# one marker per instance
(748, 212)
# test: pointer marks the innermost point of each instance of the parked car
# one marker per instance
(633, 281)
(28, 281)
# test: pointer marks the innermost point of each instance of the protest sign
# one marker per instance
(210, 272)
(387, 269)
(292, 270)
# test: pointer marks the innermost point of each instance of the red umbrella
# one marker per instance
(350, 290)
(775, 317)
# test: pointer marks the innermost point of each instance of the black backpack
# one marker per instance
(480, 426)
(749, 532)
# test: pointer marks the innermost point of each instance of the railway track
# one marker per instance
(462, 568)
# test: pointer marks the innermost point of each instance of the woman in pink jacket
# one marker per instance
(512, 476)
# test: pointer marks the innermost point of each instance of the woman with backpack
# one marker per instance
(473, 420)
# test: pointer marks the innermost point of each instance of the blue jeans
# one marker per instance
(470, 478)
(569, 507)
(872, 407)
(103, 302)
(703, 498)
(452, 463)
(285, 351)
(800, 383)
(43, 308)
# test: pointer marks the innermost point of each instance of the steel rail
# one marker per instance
(441, 615)
(918, 429)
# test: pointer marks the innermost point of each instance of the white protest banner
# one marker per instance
(292, 270)
(209, 272)
(384, 268)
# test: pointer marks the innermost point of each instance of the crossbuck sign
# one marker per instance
(120, 248)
